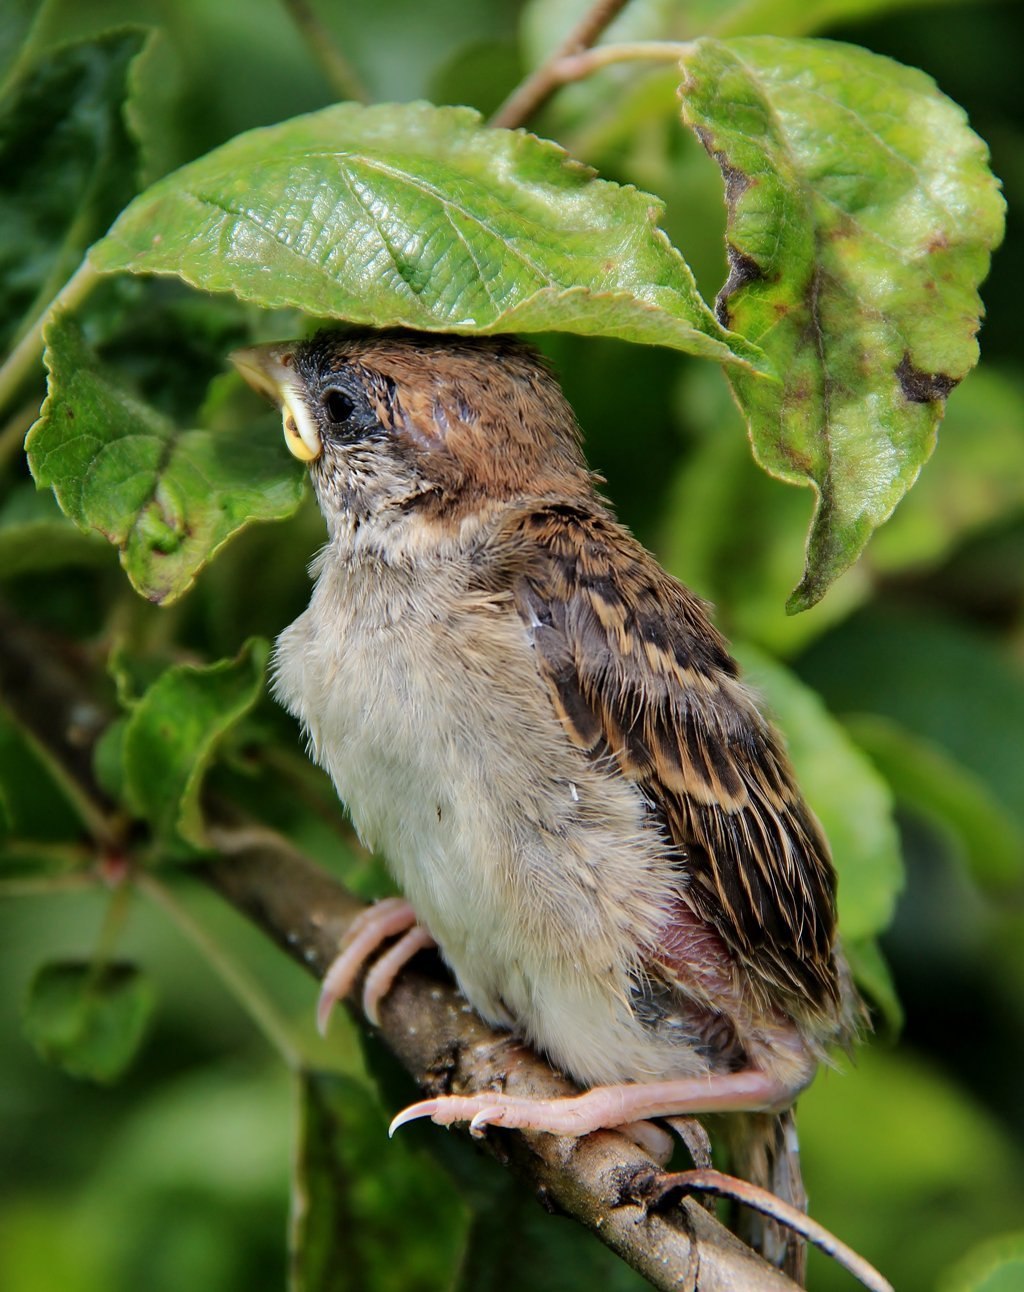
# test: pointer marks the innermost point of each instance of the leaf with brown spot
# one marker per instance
(862, 213)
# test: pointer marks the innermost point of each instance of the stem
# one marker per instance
(12, 435)
(26, 354)
(29, 48)
(104, 828)
(531, 95)
(341, 75)
(46, 885)
(110, 931)
(574, 67)
(244, 988)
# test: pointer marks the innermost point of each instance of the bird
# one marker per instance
(582, 802)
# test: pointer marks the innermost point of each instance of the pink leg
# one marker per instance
(375, 925)
(607, 1106)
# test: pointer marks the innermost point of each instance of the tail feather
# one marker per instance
(765, 1150)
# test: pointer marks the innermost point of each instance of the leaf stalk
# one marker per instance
(27, 353)
(532, 93)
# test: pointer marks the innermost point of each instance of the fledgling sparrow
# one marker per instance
(547, 739)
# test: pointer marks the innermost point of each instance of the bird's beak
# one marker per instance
(270, 370)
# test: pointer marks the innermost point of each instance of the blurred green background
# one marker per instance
(178, 1176)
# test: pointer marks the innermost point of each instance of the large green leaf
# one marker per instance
(173, 732)
(735, 534)
(88, 1018)
(168, 498)
(844, 789)
(923, 776)
(862, 213)
(69, 163)
(997, 1265)
(410, 214)
(952, 688)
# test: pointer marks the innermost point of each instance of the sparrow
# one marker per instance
(549, 742)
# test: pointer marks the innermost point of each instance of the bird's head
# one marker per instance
(408, 423)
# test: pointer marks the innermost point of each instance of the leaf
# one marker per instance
(173, 733)
(735, 535)
(108, 759)
(366, 1212)
(510, 1232)
(850, 798)
(952, 689)
(168, 498)
(34, 535)
(996, 1265)
(69, 163)
(925, 777)
(874, 981)
(861, 217)
(88, 1019)
(975, 478)
(422, 216)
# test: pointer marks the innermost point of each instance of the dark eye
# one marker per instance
(338, 406)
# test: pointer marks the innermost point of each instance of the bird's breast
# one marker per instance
(536, 870)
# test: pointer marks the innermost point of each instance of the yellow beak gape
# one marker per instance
(300, 431)
(268, 369)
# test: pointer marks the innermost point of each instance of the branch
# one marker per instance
(531, 95)
(603, 1180)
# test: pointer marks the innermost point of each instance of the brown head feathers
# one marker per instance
(484, 416)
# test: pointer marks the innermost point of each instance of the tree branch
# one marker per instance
(603, 1180)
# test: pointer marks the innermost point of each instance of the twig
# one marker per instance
(26, 353)
(36, 683)
(12, 434)
(47, 885)
(341, 75)
(234, 977)
(425, 1022)
(445, 1046)
(531, 95)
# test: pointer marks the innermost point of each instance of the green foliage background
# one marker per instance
(902, 693)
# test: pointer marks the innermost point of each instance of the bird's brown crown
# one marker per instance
(482, 416)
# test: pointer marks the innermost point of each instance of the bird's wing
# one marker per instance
(637, 672)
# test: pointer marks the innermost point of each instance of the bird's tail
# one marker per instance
(765, 1151)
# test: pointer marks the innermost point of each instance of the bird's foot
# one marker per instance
(606, 1107)
(387, 919)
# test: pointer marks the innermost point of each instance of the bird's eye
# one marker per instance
(338, 406)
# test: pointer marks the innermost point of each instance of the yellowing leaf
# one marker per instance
(862, 213)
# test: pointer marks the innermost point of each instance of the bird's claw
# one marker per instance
(368, 931)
